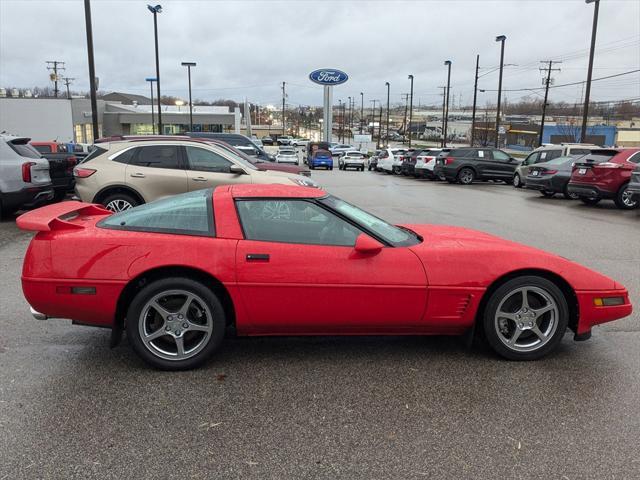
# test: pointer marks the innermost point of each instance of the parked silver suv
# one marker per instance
(24, 175)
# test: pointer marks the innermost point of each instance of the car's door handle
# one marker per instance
(257, 257)
(199, 179)
(137, 175)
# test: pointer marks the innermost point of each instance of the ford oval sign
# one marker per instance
(328, 76)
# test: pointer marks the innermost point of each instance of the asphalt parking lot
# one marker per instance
(339, 407)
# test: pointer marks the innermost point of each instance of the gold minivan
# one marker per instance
(124, 173)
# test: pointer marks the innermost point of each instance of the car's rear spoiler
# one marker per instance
(56, 216)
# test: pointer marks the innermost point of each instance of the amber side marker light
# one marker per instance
(608, 301)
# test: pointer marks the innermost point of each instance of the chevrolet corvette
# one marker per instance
(179, 273)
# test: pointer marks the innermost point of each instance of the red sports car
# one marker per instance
(178, 273)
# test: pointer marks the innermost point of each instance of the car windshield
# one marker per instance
(396, 236)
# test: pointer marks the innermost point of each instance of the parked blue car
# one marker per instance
(321, 158)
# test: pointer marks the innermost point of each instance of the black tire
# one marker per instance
(517, 181)
(114, 198)
(330, 168)
(547, 193)
(567, 194)
(590, 200)
(134, 319)
(369, 167)
(624, 200)
(558, 317)
(466, 176)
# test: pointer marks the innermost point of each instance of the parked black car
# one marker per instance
(634, 184)
(465, 165)
(552, 177)
(266, 140)
(61, 164)
(408, 166)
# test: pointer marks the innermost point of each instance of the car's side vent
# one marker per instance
(462, 305)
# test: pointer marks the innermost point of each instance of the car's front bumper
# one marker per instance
(589, 314)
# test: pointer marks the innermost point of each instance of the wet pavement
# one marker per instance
(339, 407)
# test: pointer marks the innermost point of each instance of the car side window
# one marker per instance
(207, 161)
(635, 158)
(531, 159)
(157, 156)
(294, 221)
(547, 155)
(125, 156)
(187, 214)
(500, 156)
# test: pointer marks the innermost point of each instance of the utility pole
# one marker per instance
(93, 88)
(443, 141)
(446, 115)
(405, 97)
(379, 144)
(67, 82)
(410, 109)
(501, 39)
(388, 92)
(547, 82)
(56, 66)
(585, 110)
(361, 110)
(340, 123)
(373, 119)
(284, 94)
(475, 97)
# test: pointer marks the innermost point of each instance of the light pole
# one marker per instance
(92, 69)
(153, 118)
(501, 39)
(410, 109)
(189, 65)
(475, 97)
(388, 93)
(156, 10)
(446, 115)
(361, 110)
(587, 92)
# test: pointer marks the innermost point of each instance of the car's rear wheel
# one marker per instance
(625, 199)
(526, 318)
(517, 182)
(119, 202)
(590, 200)
(175, 323)
(466, 176)
(567, 194)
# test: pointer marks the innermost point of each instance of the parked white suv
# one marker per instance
(425, 163)
(352, 159)
(390, 160)
(24, 175)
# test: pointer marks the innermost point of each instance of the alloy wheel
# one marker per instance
(118, 205)
(175, 325)
(526, 319)
(627, 199)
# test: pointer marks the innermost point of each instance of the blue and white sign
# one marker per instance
(328, 76)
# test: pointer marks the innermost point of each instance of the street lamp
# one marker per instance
(410, 109)
(92, 69)
(388, 92)
(501, 39)
(446, 115)
(189, 65)
(156, 10)
(587, 91)
(153, 120)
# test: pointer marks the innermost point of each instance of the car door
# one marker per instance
(502, 166)
(207, 169)
(157, 171)
(481, 160)
(532, 159)
(298, 273)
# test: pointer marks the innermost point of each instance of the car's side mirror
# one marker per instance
(367, 245)
(237, 169)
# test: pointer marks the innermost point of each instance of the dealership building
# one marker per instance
(66, 120)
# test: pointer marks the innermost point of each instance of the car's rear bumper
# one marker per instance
(589, 191)
(444, 173)
(548, 184)
(315, 164)
(27, 197)
(590, 314)
(352, 164)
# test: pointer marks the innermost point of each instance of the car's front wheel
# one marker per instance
(526, 318)
(516, 181)
(175, 323)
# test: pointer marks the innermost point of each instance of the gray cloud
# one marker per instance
(249, 48)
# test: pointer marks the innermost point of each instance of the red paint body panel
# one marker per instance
(432, 288)
(607, 180)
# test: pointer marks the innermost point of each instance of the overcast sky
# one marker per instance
(246, 49)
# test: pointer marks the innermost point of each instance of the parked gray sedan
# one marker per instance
(551, 177)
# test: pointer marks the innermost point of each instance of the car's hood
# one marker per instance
(462, 256)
